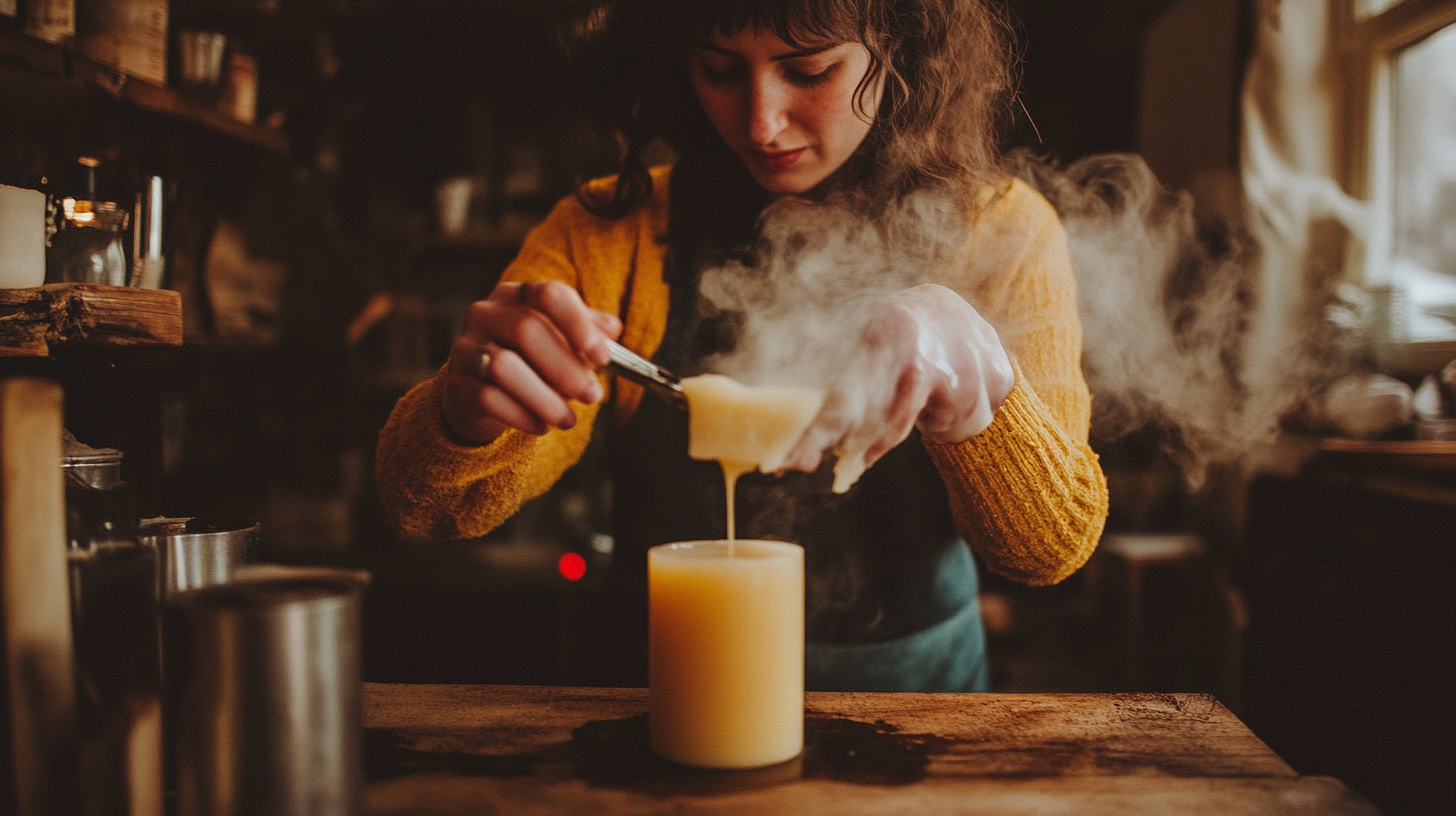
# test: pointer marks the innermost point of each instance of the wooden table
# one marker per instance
(551, 750)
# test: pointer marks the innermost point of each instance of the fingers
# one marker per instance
(570, 315)
(511, 384)
(608, 324)
(538, 338)
(490, 389)
(809, 451)
(911, 392)
(526, 352)
(482, 412)
(463, 402)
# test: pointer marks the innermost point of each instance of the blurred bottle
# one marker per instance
(240, 93)
(221, 43)
(148, 264)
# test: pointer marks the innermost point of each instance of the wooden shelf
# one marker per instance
(33, 320)
(24, 58)
(1434, 455)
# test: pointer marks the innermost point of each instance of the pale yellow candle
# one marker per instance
(726, 652)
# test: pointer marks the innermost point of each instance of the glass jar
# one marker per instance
(88, 246)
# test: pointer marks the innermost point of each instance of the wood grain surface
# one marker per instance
(35, 610)
(549, 750)
(32, 320)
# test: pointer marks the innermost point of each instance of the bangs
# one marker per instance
(946, 67)
(800, 23)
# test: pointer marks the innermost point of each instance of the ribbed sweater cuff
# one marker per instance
(1024, 492)
(1019, 412)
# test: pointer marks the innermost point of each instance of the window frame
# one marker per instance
(1367, 45)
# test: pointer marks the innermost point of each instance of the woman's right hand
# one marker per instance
(525, 352)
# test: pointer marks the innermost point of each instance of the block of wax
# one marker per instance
(726, 652)
(753, 425)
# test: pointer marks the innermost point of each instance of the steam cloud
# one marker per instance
(811, 291)
(1165, 320)
(1171, 334)
(809, 296)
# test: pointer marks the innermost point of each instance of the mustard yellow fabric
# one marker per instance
(1027, 493)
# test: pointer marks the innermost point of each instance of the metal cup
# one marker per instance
(264, 698)
(198, 552)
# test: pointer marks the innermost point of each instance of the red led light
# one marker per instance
(571, 566)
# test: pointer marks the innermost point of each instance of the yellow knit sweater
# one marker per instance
(1027, 493)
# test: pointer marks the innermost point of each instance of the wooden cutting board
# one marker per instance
(549, 750)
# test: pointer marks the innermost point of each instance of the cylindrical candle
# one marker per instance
(22, 237)
(726, 652)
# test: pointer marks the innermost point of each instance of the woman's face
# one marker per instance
(788, 113)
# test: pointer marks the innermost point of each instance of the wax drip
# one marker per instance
(731, 472)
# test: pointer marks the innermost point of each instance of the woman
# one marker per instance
(854, 104)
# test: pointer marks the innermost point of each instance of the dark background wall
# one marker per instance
(346, 294)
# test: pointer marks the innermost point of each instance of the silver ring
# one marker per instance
(483, 370)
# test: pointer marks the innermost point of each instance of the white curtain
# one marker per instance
(1288, 168)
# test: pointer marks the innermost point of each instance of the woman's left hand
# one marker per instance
(927, 360)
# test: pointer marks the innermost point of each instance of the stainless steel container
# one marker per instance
(198, 552)
(97, 468)
(263, 698)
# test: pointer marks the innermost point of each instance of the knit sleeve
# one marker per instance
(433, 486)
(1028, 493)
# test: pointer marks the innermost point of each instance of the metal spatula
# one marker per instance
(648, 374)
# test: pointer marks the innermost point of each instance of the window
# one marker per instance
(1401, 96)
(1423, 213)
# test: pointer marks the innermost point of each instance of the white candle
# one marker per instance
(726, 652)
(22, 238)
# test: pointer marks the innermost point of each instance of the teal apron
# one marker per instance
(891, 588)
(891, 591)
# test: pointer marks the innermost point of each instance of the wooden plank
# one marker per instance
(167, 102)
(33, 54)
(1107, 796)
(1071, 734)
(32, 320)
(984, 734)
(1423, 454)
(34, 594)
(471, 749)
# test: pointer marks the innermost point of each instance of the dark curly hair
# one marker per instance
(947, 67)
